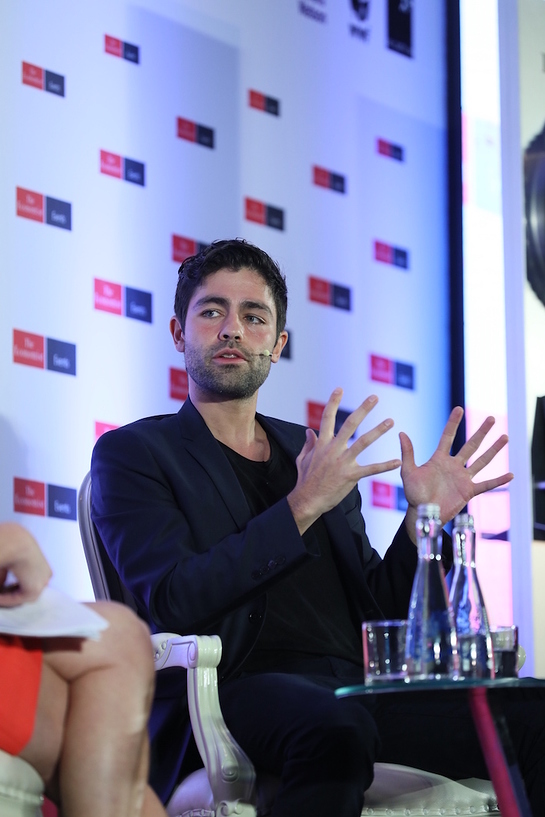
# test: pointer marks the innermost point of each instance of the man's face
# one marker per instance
(231, 322)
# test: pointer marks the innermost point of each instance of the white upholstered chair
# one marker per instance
(21, 788)
(227, 785)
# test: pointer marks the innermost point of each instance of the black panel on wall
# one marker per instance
(454, 120)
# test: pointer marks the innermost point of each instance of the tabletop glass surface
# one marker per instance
(413, 685)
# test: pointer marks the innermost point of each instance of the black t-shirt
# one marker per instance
(307, 610)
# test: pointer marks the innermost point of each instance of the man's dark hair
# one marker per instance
(230, 254)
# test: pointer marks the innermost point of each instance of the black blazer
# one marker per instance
(179, 532)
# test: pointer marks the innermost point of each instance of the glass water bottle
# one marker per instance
(431, 635)
(468, 608)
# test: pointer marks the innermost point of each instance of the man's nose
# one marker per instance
(231, 329)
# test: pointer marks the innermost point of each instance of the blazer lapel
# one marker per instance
(201, 444)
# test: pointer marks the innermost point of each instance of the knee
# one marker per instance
(127, 639)
(345, 747)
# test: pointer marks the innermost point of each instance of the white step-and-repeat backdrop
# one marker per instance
(135, 132)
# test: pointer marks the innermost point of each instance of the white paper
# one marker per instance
(52, 614)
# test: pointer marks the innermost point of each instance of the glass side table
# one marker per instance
(490, 725)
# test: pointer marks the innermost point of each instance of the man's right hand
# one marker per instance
(327, 468)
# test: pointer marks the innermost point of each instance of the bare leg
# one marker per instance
(90, 738)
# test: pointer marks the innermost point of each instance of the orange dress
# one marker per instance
(20, 675)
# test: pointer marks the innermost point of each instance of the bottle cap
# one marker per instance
(463, 520)
(429, 509)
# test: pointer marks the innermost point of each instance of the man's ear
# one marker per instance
(278, 346)
(177, 334)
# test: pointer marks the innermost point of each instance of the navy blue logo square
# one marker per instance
(272, 105)
(401, 258)
(138, 304)
(54, 83)
(135, 172)
(131, 52)
(61, 356)
(404, 375)
(337, 182)
(205, 136)
(61, 502)
(275, 217)
(401, 501)
(58, 213)
(396, 152)
(341, 297)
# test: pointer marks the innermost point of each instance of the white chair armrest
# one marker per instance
(230, 771)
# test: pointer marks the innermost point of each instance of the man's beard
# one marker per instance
(236, 381)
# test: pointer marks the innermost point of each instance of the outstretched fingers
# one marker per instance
(449, 432)
(350, 425)
(490, 484)
(472, 445)
(329, 415)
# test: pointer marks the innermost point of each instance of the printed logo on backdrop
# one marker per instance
(391, 372)
(261, 213)
(313, 9)
(314, 416)
(193, 132)
(400, 26)
(183, 247)
(44, 353)
(121, 300)
(111, 164)
(387, 254)
(41, 499)
(328, 293)
(361, 10)
(45, 209)
(390, 150)
(178, 388)
(390, 497)
(101, 428)
(328, 179)
(42, 79)
(261, 102)
(118, 48)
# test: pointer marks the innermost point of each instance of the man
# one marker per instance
(220, 520)
(76, 709)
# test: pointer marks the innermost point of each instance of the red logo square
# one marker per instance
(28, 496)
(320, 176)
(108, 297)
(113, 46)
(102, 428)
(382, 369)
(182, 248)
(319, 290)
(30, 204)
(383, 252)
(186, 129)
(314, 414)
(111, 164)
(178, 384)
(256, 100)
(382, 495)
(33, 75)
(255, 211)
(28, 349)
(383, 147)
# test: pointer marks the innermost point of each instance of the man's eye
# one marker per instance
(210, 313)
(254, 319)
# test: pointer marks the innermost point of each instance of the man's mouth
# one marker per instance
(229, 354)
